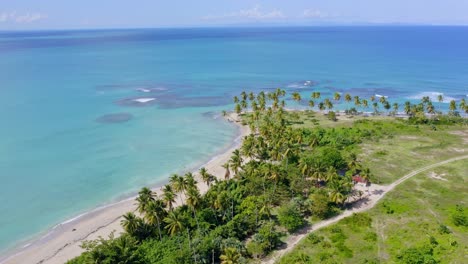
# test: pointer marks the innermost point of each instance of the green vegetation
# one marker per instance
(423, 220)
(295, 168)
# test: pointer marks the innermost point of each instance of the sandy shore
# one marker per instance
(63, 242)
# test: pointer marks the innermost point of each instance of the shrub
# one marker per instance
(314, 239)
(290, 217)
(417, 255)
(459, 217)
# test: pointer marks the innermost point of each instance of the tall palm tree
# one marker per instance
(236, 161)
(155, 214)
(337, 96)
(395, 108)
(430, 108)
(130, 223)
(348, 97)
(190, 181)
(311, 103)
(206, 177)
(440, 98)
(244, 95)
(321, 106)
(251, 96)
(168, 196)
(296, 96)
(236, 99)
(328, 104)
(230, 256)
(145, 196)
(407, 107)
(174, 223)
(238, 109)
(357, 101)
(452, 106)
(227, 174)
(365, 103)
(178, 184)
(193, 201)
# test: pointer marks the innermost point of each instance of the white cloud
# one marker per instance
(21, 18)
(314, 13)
(254, 13)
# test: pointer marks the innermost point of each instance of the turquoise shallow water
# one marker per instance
(57, 160)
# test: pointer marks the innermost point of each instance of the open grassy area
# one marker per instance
(414, 220)
(403, 146)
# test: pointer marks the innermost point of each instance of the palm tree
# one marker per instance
(244, 95)
(236, 161)
(227, 174)
(311, 103)
(395, 108)
(168, 196)
(296, 96)
(463, 106)
(382, 99)
(348, 97)
(357, 101)
(193, 201)
(236, 99)
(230, 256)
(238, 109)
(174, 223)
(365, 103)
(251, 96)
(407, 107)
(190, 181)
(206, 177)
(337, 96)
(440, 98)
(372, 98)
(453, 106)
(328, 104)
(321, 106)
(178, 184)
(155, 214)
(376, 107)
(430, 108)
(145, 196)
(130, 223)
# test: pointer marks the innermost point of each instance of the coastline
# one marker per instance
(62, 242)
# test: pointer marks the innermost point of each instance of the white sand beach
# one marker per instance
(63, 242)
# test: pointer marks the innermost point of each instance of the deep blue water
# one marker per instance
(72, 136)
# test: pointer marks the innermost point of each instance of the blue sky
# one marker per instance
(60, 14)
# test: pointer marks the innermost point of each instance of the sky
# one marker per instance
(93, 14)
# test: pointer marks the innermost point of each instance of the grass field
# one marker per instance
(416, 215)
(414, 223)
(403, 148)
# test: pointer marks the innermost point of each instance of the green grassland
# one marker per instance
(403, 148)
(416, 216)
(415, 222)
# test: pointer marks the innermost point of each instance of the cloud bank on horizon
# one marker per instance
(28, 14)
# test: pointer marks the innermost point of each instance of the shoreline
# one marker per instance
(62, 242)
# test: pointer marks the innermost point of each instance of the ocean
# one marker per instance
(90, 117)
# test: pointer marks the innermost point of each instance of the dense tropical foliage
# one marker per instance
(279, 178)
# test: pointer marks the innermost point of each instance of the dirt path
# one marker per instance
(375, 193)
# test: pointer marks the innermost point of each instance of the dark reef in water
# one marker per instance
(114, 118)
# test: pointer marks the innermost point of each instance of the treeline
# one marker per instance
(417, 113)
(278, 179)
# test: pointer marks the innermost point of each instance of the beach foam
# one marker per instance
(432, 96)
(144, 100)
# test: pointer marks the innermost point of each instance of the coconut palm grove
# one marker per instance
(285, 177)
